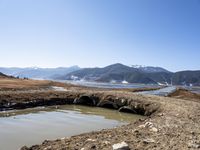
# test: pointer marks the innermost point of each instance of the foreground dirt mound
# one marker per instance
(185, 94)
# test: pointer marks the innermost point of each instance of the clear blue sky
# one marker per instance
(51, 33)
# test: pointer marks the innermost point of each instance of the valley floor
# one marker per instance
(170, 123)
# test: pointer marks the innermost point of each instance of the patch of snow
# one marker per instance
(138, 66)
(160, 83)
(57, 88)
(124, 82)
(74, 77)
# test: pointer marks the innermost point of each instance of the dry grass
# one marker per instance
(185, 94)
(23, 84)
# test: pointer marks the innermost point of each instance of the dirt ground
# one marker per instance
(170, 124)
(185, 94)
(26, 84)
(174, 126)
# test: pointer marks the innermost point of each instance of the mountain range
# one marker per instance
(38, 73)
(119, 73)
(116, 73)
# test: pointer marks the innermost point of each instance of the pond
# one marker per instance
(34, 125)
(110, 85)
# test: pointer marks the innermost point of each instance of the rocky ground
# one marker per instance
(171, 123)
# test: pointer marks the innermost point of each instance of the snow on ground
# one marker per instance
(57, 88)
(124, 82)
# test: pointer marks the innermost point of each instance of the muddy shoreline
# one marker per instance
(107, 99)
(171, 123)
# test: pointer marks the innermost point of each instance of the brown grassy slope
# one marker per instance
(11, 83)
(185, 94)
(22, 84)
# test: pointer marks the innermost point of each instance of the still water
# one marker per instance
(109, 85)
(32, 126)
(161, 92)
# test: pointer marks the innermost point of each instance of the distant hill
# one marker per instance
(119, 73)
(35, 72)
(112, 73)
(4, 76)
(150, 69)
(186, 78)
(116, 73)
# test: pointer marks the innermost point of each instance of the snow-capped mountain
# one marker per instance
(119, 73)
(149, 69)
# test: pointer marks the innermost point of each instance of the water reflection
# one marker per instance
(32, 126)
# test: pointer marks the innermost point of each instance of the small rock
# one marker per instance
(148, 124)
(123, 101)
(89, 146)
(121, 146)
(106, 142)
(63, 138)
(193, 145)
(135, 131)
(48, 148)
(147, 141)
(141, 126)
(93, 147)
(45, 141)
(90, 140)
(153, 129)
